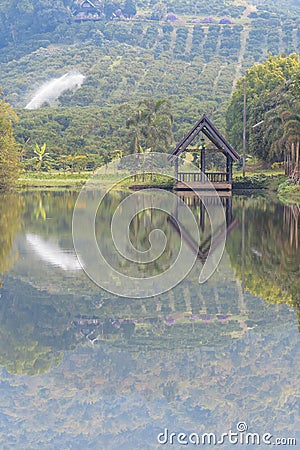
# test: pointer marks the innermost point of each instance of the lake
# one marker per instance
(84, 368)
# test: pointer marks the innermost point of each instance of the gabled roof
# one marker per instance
(94, 4)
(207, 128)
(203, 249)
(87, 1)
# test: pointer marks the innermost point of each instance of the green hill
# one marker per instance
(194, 61)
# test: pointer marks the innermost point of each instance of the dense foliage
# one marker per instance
(22, 19)
(273, 109)
(9, 153)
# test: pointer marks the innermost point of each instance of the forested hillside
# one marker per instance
(190, 53)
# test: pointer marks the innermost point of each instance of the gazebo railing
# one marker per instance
(198, 177)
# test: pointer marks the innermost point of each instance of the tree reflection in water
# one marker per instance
(272, 259)
(11, 209)
(45, 310)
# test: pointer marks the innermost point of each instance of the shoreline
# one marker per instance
(285, 190)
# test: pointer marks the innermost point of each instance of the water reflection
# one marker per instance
(84, 369)
(269, 264)
(76, 309)
(11, 209)
(52, 253)
(200, 205)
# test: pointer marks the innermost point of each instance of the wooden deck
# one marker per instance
(196, 181)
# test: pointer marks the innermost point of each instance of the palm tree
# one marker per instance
(272, 135)
(291, 136)
(133, 123)
(151, 124)
(158, 121)
(291, 142)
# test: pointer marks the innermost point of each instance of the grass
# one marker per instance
(52, 180)
(61, 180)
(147, 181)
(258, 170)
(270, 181)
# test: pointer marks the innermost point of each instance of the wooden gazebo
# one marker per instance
(88, 10)
(221, 180)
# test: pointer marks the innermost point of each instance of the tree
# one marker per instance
(133, 123)
(269, 93)
(291, 137)
(39, 16)
(109, 9)
(159, 11)
(277, 136)
(129, 9)
(296, 85)
(151, 125)
(159, 120)
(9, 150)
(73, 162)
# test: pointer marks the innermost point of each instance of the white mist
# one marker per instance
(52, 89)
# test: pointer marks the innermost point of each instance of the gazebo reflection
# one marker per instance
(198, 203)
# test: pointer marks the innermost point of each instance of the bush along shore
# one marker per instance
(287, 189)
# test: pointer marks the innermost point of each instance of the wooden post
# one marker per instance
(203, 158)
(202, 216)
(228, 169)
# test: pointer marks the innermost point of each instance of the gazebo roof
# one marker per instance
(207, 128)
(89, 2)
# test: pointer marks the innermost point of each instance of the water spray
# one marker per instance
(52, 89)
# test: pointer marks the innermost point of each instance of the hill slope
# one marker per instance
(193, 63)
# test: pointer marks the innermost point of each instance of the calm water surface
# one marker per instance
(83, 369)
